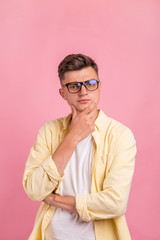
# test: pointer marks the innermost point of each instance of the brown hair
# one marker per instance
(75, 62)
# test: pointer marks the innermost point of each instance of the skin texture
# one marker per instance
(84, 113)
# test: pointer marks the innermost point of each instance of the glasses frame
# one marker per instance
(81, 83)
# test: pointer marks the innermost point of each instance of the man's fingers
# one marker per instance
(93, 114)
(90, 107)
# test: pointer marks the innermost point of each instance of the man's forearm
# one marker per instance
(64, 202)
(64, 152)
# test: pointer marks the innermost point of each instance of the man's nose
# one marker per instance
(83, 90)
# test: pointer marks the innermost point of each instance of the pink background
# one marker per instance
(124, 39)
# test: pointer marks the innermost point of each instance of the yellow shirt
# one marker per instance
(113, 161)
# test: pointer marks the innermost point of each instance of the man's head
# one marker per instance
(73, 70)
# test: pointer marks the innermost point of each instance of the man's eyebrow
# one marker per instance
(86, 80)
(82, 81)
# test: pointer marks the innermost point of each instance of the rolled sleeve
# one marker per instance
(41, 176)
(81, 206)
(50, 168)
(39, 182)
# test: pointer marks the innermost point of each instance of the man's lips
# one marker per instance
(84, 100)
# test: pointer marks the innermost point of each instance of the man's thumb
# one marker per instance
(74, 112)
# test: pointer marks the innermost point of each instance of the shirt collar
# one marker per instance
(101, 120)
(66, 121)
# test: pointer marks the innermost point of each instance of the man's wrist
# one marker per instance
(71, 138)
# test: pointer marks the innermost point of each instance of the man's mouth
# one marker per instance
(84, 100)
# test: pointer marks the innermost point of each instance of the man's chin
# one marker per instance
(82, 107)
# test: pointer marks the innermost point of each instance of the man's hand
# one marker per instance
(82, 124)
(64, 202)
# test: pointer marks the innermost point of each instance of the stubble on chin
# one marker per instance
(79, 110)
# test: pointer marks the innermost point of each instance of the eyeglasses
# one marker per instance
(75, 87)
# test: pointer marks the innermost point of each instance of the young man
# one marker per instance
(81, 166)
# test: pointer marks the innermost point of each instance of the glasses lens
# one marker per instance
(91, 84)
(74, 87)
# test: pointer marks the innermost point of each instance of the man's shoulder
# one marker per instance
(57, 124)
(113, 126)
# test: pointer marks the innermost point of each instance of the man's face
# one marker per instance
(83, 98)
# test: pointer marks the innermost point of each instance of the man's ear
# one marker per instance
(61, 92)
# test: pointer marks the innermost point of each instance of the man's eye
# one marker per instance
(92, 82)
(73, 86)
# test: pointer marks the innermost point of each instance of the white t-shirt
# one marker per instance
(77, 181)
